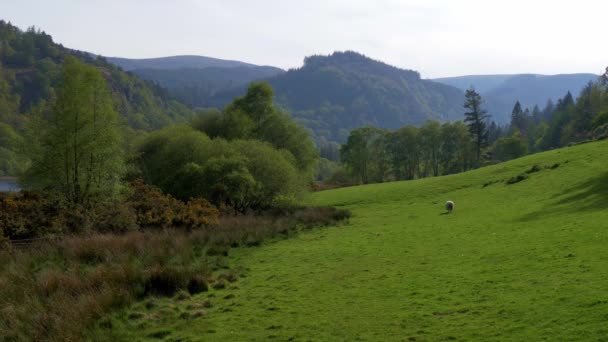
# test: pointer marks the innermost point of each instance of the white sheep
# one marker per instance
(449, 206)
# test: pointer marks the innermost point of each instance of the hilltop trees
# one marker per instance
(79, 156)
(374, 155)
(475, 118)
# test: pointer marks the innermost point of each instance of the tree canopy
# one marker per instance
(79, 155)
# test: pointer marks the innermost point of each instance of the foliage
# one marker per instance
(80, 155)
(357, 154)
(373, 155)
(508, 148)
(476, 119)
(238, 174)
(254, 116)
(157, 211)
(28, 215)
(30, 71)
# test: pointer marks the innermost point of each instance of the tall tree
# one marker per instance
(604, 77)
(518, 118)
(404, 150)
(80, 156)
(475, 118)
(356, 154)
(430, 135)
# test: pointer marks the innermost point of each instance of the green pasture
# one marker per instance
(526, 261)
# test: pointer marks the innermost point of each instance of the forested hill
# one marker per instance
(30, 66)
(193, 80)
(29, 71)
(334, 94)
(501, 92)
(195, 87)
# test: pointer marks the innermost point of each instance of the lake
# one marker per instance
(9, 185)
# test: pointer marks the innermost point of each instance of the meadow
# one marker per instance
(524, 257)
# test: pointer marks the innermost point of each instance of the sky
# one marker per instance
(438, 38)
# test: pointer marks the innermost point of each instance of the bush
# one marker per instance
(533, 169)
(197, 284)
(321, 216)
(165, 281)
(155, 210)
(517, 179)
(26, 215)
(115, 217)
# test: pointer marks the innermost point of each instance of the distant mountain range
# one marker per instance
(334, 94)
(194, 80)
(175, 62)
(500, 92)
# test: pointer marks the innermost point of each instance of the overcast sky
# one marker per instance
(435, 37)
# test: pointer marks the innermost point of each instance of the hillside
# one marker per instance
(500, 92)
(333, 94)
(195, 86)
(519, 262)
(30, 65)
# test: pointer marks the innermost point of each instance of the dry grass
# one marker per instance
(58, 290)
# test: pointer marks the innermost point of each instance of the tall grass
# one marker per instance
(57, 290)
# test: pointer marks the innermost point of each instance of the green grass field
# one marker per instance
(522, 262)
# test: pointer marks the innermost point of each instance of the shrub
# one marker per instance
(155, 210)
(228, 276)
(533, 169)
(517, 179)
(321, 215)
(115, 217)
(164, 281)
(197, 284)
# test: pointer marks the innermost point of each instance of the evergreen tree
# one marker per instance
(475, 118)
(604, 77)
(518, 119)
(547, 112)
(536, 114)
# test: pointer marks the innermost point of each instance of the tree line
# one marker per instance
(373, 155)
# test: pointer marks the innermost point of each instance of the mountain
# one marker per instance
(333, 94)
(195, 87)
(193, 80)
(500, 92)
(30, 68)
(175, 62)
(481, 83)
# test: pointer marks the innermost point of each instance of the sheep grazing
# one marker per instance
(449, 206)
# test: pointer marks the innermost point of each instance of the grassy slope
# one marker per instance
(527, 261)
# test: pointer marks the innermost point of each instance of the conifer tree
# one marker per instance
(475, 118)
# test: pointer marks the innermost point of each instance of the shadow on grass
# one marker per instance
(591, 195)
